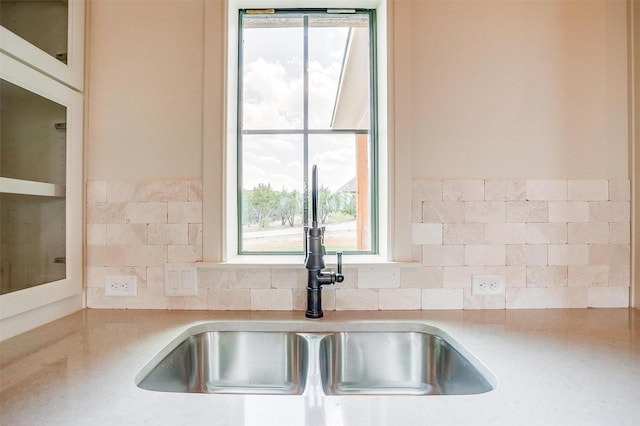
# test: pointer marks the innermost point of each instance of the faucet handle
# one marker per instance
(339, 276)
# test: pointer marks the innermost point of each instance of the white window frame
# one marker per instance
(220, 225)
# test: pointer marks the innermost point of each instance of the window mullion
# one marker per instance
(305, 119)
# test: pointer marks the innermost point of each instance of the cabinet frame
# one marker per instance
(71, 73)
(23, 301)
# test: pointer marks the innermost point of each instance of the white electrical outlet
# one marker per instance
(487, 285)
(120, 285)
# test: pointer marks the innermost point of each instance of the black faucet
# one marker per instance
(314, 262)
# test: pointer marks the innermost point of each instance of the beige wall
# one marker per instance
(484, 90)
(145, 89)
(499, 89)
(519, 89)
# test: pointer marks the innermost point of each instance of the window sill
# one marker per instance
(361, 261)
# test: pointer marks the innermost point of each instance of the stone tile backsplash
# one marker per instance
(559, 244)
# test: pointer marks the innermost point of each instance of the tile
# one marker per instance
(213, 278)
(547, 233)
(378, 277)
(164, 233)
(96, 192)
(146, 212)
(155, 277)
(567, 297)
(145, 255)
(443, 212)
(620, 276)
(619, 190)
(608, 297)
(464, 233)
(526, 254)
(426, 233)
(485, 211)
(484, 255)
(289, 278)
(154, 298)
(96, 234)
(463, 190)
(184, 253)
(105, 213)
(96, 299)
(195, 234)
(249, 278)
(547, 276)
(422, 277)
(568, 254)
(184, 212)
(610, 211)
(169, 190)
(609, 254)
(483, 302)
(442, 298)
(515, 276)
(620, 233)
(445, 255)
(546, 190)
(194, 190)
(526, 298)
(588, 190)
(416, 211)
(105, 255)
(527, 211)
(460, 276)
(271, 299)
(568, 211)
(229, 299)
(426, 190)
(588, 276)
(124, 191)
(356, 299)
(182, 303)
(126, 234)
(505, 233)
(505, 190)
(400, 298)
(588, 233)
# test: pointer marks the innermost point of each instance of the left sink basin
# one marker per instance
(236, 362)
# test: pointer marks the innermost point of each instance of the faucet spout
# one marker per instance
(314, 261)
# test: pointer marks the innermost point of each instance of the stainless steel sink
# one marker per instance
(408, 363)
(243, 362)
(295, 358)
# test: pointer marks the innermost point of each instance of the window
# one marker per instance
(306, 95)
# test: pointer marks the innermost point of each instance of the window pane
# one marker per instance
(339, 72)
(326, 53)
(272, 73)
(272, 182)
(343, 181)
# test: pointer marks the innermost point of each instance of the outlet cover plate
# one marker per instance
(121, 285)
(487, 285)
(180, 279)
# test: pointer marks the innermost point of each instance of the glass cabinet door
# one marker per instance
(32, 189)
(47, 34)
(40, 190)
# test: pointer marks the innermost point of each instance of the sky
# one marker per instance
(273, 98)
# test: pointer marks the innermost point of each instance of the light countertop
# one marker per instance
(554, 367)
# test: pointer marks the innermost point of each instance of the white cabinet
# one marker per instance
(41, 180)
(48, 35)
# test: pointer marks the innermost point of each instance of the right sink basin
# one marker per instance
(403, 363)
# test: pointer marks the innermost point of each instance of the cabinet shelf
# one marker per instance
(29, 187)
